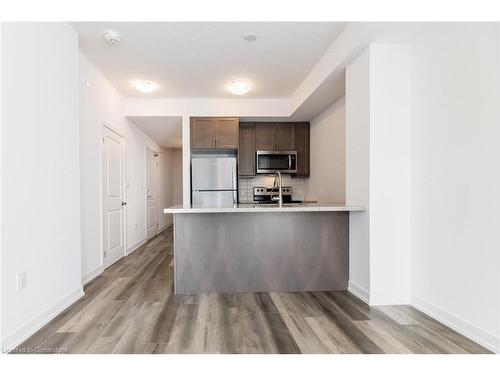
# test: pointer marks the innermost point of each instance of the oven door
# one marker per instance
(273, 161)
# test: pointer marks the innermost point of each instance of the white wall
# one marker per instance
(327, 181)
(170, 181)
(100, 103)
(177, 175)
(454, 195)
(378, 170)
(40, 175)
(455, 256)
(389, 201)
(357, 172)
(166, 186)
(136, 144)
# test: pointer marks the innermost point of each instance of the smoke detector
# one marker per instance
(250, 37)
(112, 37)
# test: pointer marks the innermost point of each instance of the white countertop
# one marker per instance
(250, 207)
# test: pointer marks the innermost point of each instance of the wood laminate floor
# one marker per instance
(131, 308)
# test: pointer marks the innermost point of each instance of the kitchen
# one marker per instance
(242, 241)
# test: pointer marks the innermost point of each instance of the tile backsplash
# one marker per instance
(246, 185)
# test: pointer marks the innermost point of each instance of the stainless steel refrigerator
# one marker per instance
(214, 180)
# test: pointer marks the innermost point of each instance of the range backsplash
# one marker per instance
(246, 185)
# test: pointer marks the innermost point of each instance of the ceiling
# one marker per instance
(165, 131)
(197, 59)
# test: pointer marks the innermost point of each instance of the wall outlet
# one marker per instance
(21, 280)
(135, 227)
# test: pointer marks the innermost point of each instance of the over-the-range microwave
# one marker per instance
(273, 161)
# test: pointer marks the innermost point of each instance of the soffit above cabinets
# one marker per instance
(165, 131)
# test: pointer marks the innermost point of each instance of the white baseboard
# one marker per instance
(381, 299)
(164, 227)
(15, 338)
(131, 249)
(92, 275)
(359, 292)
(467, 329)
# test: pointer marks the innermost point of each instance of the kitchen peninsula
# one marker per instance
(257, 248)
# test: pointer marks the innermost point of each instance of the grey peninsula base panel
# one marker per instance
(260, 252)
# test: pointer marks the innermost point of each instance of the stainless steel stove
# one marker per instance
(266, 194)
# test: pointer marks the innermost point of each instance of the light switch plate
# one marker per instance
(21, 280)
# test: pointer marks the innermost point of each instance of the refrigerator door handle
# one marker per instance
(233, 177)
(234, 185)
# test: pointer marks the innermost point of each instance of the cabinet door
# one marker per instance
(246, 153)
(202, 132)
(226, 133)
(265, 136)
(302, 147)
(285, 137)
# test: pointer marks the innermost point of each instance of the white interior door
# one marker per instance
(152, 196)
(113, 197)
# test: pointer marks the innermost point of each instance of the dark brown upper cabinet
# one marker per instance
(272, 136)
(202, 133)
(285, 136)
(302, 140)
(265, 136)
(246, 151)
(214, 132)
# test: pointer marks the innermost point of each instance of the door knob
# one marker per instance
(124, 203)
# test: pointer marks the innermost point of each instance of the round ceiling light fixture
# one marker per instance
(239, 86)
(250, 37)
(144, 86)
(112, 37)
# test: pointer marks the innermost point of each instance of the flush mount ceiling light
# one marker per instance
(239, 86)
(112, 37)
(250, 37)
(144, 86)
